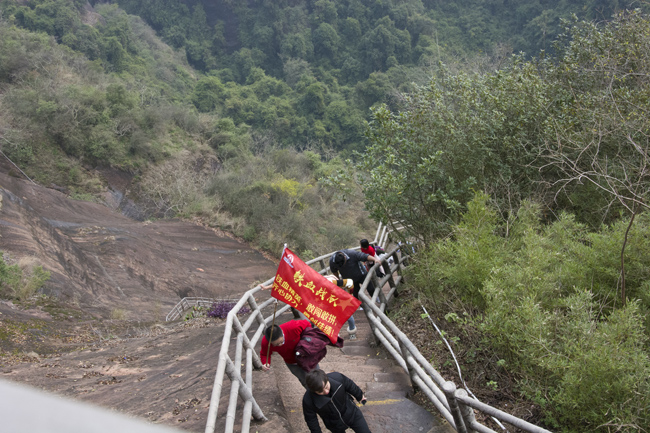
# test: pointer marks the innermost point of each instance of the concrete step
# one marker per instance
(383, 363)
(379, 389)
(401, 415)
(400, 378)
(361, 350)
(350, 366)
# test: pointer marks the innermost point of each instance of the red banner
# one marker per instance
(321, 301)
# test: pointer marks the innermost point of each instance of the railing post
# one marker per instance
(255, 309)
(466, 412)
(449, 389)
(406, 354)
(374, 342)
(244, 391)
(246, 341)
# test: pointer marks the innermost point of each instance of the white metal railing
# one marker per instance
(452, 403)
(242, 385)
(187, 303)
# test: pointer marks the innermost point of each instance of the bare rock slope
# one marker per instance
(101, 261)
(75, 343)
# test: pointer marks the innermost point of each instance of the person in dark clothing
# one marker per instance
(350, 264)
(330, 397)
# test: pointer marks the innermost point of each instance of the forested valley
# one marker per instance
(511, 138)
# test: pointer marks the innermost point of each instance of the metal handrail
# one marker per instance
(449, 401)
(189, 302)
(242, 387)
(453, 404)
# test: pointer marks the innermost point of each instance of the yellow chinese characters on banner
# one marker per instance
(321, 318)
(321, 301)
(288, 294)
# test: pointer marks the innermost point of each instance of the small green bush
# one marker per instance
(21, 284)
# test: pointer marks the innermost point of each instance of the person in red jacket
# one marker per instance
(366, 248)
(284, 339)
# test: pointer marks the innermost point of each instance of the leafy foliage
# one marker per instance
(461, 133)
(279, 197)
(569, 132)
(599, 132)
(542, 296)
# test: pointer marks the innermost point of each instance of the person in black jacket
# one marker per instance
(330, 396)
(351, 264)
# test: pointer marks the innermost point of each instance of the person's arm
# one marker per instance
(352, 388)
(363, 257)
(264, 287)
(310, 415)
(304, 324)
(266, 363)
(374, 259)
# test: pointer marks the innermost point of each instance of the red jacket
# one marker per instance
(292, 331)
(370, 250)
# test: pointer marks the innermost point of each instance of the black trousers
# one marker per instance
(357, 287)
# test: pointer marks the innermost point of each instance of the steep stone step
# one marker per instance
(384, 382)
(401, 415)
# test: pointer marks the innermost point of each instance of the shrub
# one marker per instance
(21, 281)
(118, 314)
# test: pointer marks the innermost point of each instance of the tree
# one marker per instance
(313, 99)
(600, 133)
(325, 11)
(461, 133)
(207, 94)
(382, 42)
(326, 41)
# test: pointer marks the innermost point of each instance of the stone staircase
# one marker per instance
(385, 384)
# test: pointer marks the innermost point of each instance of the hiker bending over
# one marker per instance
(329, 396)
(284, 339)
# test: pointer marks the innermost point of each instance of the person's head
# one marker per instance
(364, 243)
(276, 337)
(318, 382)
(339, 259)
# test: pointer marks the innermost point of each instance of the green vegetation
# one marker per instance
(568, 132)
(544, 297)
(528, 189)
(67, 116)
(21, 281)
